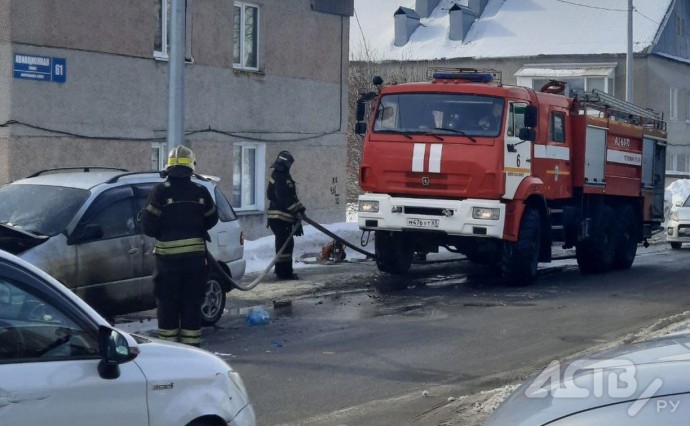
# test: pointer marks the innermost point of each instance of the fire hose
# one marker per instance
(218, 269)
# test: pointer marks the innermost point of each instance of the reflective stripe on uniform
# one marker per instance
(168, 334)
(295, 207)
(153, 210)
(281, 215)
(190, 337)
(188, 245)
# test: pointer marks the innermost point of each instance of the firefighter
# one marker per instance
(282, 213)
(178, 214)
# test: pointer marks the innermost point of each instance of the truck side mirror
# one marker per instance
(531, 116)
(527, 134)
(360, 128)
(361, 104)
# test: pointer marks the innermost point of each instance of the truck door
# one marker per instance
(551, 161)
(517, 154)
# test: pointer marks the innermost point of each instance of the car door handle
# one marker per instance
(133, 250)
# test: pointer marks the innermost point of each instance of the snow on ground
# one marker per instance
(259, 253)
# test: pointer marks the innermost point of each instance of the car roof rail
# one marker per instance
(84, 169)
(117, 177)
(114, 179)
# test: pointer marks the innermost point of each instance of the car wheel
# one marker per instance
(676, 246)
(213, 303)
(595, 254)
(392, 255)
(519, 259)
(627, 235)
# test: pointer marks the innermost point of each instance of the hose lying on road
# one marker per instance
(216, 268)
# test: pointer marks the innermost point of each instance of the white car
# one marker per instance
(678, 226)
(61, 364)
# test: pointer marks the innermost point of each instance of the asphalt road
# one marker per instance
(344, 354)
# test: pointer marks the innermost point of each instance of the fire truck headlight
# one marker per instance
(485, 213)
(366, 206)
(674, 215)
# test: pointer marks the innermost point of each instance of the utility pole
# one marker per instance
(629, 57)
(176, 74)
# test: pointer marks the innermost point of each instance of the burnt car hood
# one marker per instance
(16, 241)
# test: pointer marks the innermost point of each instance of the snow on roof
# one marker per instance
(508, 28)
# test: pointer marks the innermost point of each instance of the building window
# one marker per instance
(673, 107)
(246, 36)
(678, 164)
(247, 176)
(585, 76)
(161, 47)
(158, 154)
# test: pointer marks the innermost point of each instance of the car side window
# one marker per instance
(32, 329)
(225, 211)
(141, 196)
(110, 216)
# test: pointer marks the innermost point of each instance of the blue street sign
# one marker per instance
(40, 68)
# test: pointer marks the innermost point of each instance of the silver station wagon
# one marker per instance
(80, 226)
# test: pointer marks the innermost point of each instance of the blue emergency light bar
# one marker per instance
(475, 77)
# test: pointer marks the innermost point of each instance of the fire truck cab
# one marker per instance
(499, 173)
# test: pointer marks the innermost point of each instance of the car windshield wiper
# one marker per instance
(456, 131)
(427, 133)
(397, 132)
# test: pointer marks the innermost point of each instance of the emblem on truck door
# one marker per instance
(425, 181)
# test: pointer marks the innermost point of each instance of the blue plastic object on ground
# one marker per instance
(258, 316)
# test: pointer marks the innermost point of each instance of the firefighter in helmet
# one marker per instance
(282, 213)
(179, 214)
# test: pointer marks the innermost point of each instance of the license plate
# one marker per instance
(422, 223)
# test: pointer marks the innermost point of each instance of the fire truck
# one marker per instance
(501, 173)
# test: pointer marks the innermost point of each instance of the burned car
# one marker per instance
(81, 227)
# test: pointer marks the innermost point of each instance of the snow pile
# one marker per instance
(259, 253)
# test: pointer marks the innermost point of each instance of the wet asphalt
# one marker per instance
(341, 352)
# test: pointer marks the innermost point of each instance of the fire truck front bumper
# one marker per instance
(469, 217)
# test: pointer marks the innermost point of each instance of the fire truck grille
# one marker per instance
(427, 211)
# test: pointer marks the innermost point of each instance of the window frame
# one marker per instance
(162, 149)
(241, 65)
(673, 104)
(552, 126)
(259, 173)
(164, 53)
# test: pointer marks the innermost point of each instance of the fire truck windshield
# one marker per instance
(447, 114)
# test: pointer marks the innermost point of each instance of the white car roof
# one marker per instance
(90, 179)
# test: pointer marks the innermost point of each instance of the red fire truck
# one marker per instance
(500, 173)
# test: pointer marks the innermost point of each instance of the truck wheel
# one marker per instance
(627, 236)
(214, 302)
(519, 259)
(391, 254)
(595, 254)
(676, 246)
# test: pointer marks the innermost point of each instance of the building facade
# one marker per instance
(85, 83)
